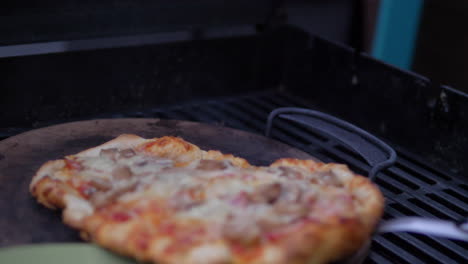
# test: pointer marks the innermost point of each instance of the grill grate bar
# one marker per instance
(445, 245)
(451, 204)
(418, 248)
(223, 118)
(423, 209)
(268, 107)
(390, 179)
(408, 168)
(295, 131)
(253, 109)
(355, 165)
(285, 127)
(456, 196)
(460, 188)
(258, 127)
(414, 180)
(241, 115)
(421, 242)
(434, 206)
(421, 167)
(286, 133)
(388, 188)
(394, 252)
(375, 257)
(298, 140)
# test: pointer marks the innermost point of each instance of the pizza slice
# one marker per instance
(165, 200)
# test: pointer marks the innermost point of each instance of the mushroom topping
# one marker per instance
(329, 178)
(101, 199)
(210, 165)
(267, 193)
(290, 193)
(239, 227)
(110, 153)
(187, 198)
(100, 184)
(121, 173)
(127, 153)
(292, 201)
(142, 163)
(291, 209)
(290, 173)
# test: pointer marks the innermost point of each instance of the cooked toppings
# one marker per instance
(168, 201)
(290, 193)
(114, 153)
(239, 228)
(297, 210)
(86, 190)
(100, 184)
(328, 178)
(291, 173)
(99, 199)
(211, 165)
(266, 193)
(110, 153)
(187, 198)
(127, 153)
(120, 217)
(72, 164)
(142, 163)
(293, 200)
(242, 204)
(121, 173)
(234, 198)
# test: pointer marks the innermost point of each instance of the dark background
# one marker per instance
(196, 50)
(440, 52)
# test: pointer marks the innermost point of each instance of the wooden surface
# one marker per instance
(24, 221)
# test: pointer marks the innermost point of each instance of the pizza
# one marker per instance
(164, 200)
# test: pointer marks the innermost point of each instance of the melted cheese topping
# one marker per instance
(240, 203)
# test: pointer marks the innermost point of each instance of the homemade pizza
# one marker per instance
(164, 200)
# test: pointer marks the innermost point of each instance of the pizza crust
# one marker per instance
(311, 241)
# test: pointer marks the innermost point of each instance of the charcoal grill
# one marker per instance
(238, 81)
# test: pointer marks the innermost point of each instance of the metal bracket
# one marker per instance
(377, 153)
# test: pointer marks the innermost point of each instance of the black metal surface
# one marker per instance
(44, 88)
(403, 107)
(376, 152)
(411, 187)
(54, 20)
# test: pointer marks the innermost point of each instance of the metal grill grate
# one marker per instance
(411, 186)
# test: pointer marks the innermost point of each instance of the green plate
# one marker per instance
(70, 253)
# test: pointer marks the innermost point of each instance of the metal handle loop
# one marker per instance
(377, 153)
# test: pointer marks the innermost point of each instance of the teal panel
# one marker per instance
(396, 31)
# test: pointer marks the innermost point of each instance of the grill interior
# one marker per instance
(411, 186)
(190, 63)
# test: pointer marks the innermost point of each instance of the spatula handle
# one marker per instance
(436, 227)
